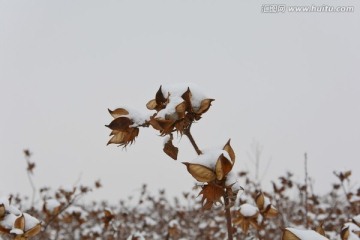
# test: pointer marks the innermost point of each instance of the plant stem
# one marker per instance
(193, 143)
(226, 196)
(306, 192)
(27, 158)
(71, 202)
(33, 189)
(228, 216)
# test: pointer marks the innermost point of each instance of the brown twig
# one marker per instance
(306, 192)
(228, 216)
(193, 143)
(226, 196)
(71, 202)
(29, 172)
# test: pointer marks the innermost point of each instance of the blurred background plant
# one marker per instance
(58, 214)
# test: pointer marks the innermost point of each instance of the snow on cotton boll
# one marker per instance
(350, 231)
(248, 215)
(23, 227)
(177, 106)
(214, 168)
(12, 221)
(51, 206)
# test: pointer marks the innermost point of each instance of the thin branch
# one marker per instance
(71, 202)
(193, 143)
(345, 192)
(32, 187)
(228, 216)
(306, 192)
(29, 172)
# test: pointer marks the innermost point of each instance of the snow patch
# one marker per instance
(210, 157)
(51, 204)
(136, 235)
(248, 210)
(174, 223)
(30, 221)
(306, 234)
(231, 180)
(169, 112)
(177, 90)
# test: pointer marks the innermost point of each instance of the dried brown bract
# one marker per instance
(247, 215)
(176, 110)
(265, 206)
(213, 168)
(125, 126)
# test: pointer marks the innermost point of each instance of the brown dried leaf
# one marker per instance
(108, 216)
(98, 184)
(120, 124)
(346, 175)
(211, 194)
(30, 167)
(243, 223)
(163, 125)
(182, 124)
(124, 137)
(117, 138)
(33, 231)
(173, 232)
(345, 232)
(118, 112)
(159, 97)
(4, 230)
(287, 235)
(187, 98)
(270, 212)
(27, 153)
(113, 132)
(170, 149)
(2, 211)
(230, 151)
(180, 110)
(151, 105)
(319, 229)
(343, 175)
(260, 200)
(200, 172)
(205, 105)
(20, 222)
(223, 166)
(254, 223)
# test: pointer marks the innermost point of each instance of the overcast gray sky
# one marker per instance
(289, 81)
